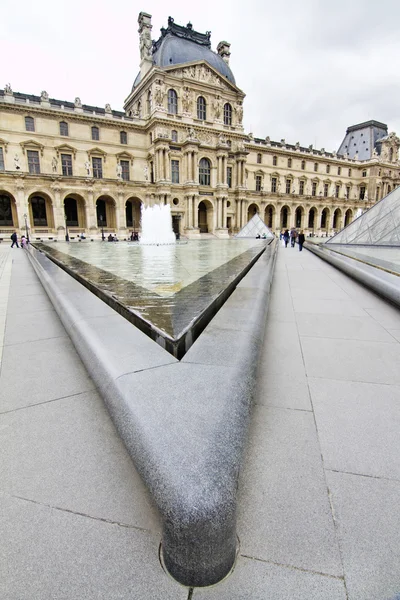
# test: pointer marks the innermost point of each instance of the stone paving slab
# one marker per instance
(359, 426)
(22, 328)
(33, 382)
(258, 580)
(284, 511)
(367, 514)
(282, 380)
(341, 327)
(52, 553)
(352, 360)
(67, 454)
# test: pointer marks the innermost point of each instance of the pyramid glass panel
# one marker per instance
(377, 226)
(255, 227)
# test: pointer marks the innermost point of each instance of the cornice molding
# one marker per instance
(60, 114)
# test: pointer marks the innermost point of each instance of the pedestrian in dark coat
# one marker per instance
(286, 237)
(14, 239)
(300, 239)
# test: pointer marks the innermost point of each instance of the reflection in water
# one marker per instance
(167, 286)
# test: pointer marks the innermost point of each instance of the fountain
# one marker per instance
(157, 225)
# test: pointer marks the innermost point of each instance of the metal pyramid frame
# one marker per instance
(378, 226)
(254, 227)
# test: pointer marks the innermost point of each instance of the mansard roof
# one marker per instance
(179, 45)
(362, 139)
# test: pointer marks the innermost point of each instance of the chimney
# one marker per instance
(145, 43)
(223, 51)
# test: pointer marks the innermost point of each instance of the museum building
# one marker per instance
(66, 166)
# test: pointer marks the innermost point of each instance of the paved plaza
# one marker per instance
(319, 510)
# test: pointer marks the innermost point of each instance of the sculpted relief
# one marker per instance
(145, 44)
(187, 100)
(159, 92)
(217, 106)
(200, 73)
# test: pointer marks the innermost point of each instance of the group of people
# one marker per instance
(112, 238)
(261, 237)
(14, 239)
(291, 236)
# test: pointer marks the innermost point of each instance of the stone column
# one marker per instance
(224, 212)
(21, 206)
(195, 212)
(218, 219)
(238, 214)
(58, 209)
(195, 168)
(244, 210)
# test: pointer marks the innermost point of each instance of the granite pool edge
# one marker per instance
(188, 459)
(382, 282)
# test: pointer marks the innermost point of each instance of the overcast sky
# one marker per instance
(309, 69)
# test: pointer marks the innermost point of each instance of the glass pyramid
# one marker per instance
(255, 227)
(378, 226)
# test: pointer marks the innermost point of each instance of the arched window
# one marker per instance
(204, 172)
(259, 158)
(29, 124)
(201, 108)
(174, 135)
(139, 109)
(274, 160)
(315, 166)
(95, 133)
(391, 155)
(303, 165)
(64, 128)
(289, 163)
(227, 114)
(149, 102)
(172, 102)
(39, 211)
(6, 219)
(71, 211)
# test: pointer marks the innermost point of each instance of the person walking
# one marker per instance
(14, 238)
(301, 238)
(293, 235)
(286, 237)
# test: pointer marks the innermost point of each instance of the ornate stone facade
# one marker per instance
(180, 140)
